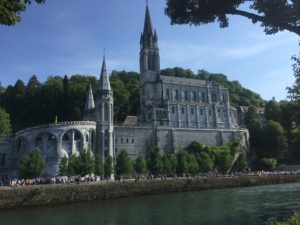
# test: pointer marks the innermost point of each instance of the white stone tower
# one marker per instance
(149, 69)
(104, 115)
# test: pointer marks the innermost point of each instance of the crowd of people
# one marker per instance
(89, 179)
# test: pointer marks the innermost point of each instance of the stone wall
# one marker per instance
(58, 194)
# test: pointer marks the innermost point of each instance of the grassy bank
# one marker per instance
(57, 194)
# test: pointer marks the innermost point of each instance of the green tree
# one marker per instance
(70, 168)
(123, 164)
(274, 16)
(10, 10)
(268, 164)
(5, 127)
(182, 162)
(193, 167)
(169, 164)
(205, 162)
(154, 162)
(273, 111)
(241, 163)
(63, 166)
(108, 167)
(275, 143)
(140, 165)
(84, 163)
(223, 160)
(32, 165)
(294, 91)
(99, 166)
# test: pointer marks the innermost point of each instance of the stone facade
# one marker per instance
(174, 112)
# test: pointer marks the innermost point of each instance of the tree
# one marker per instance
(32, 165)
(63, 166)
(84, 163)
(123, 164)
(294, 91)
(169, 164)
(241, 163)
(108, 167)
(154, 162)
(140, 165)
(223, 160)
(293, 220)
(275, 143)
(274, 16)
(193, 167)
(273, 111)
(205, 162)
(5, 127)
(10, 10)
(182, 162)
(99, 167)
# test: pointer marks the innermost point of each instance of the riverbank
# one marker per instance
(11, 197)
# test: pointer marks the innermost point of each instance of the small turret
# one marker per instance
(89, 110)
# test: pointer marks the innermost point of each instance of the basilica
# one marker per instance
(173, 112)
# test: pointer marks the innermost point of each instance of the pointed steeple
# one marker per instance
(147, 25)
(90, 104)
(104, 79)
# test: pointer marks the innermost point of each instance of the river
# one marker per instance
(237, 206)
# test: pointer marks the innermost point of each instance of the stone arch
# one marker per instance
(22, 147)
(72, 141)
(47, 143)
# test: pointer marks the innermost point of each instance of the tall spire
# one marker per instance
(104, 79)
(90, 104)
(147, 25)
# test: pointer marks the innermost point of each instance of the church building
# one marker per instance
(173, 112)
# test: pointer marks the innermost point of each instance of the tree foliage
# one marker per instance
(32, 165)
(10, 10)
(182, 162)
(154, 162)
(274, 16)
(99, 166)
(108, 167)
(63, 166)
(140, 165)
(293, 220)
(5, 127)
(84, 163)
(123, 164)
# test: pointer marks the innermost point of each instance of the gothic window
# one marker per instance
(176, 95)
(182, 110)
(127, 140)
(219, 113)
(194, 96)
(224, 114)
(203, 97)
(167, 94)
(105, 143)
(173, 109)
(106, 113)
(224, 98)
(210, 112)
(214, 97)
(185, 95)
(132, 141)
(201, 112)
(116, 150)
(192, 111)
(122, 140)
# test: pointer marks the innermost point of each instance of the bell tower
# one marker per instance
(149, 69)
(104, 115)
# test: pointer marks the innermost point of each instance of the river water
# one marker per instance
(238, 206)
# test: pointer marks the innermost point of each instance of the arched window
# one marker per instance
(66, 137)
(106, 114)
(167, 94)
(185, 95)
(176, 94)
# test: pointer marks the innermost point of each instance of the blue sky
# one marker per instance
(68, 37)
